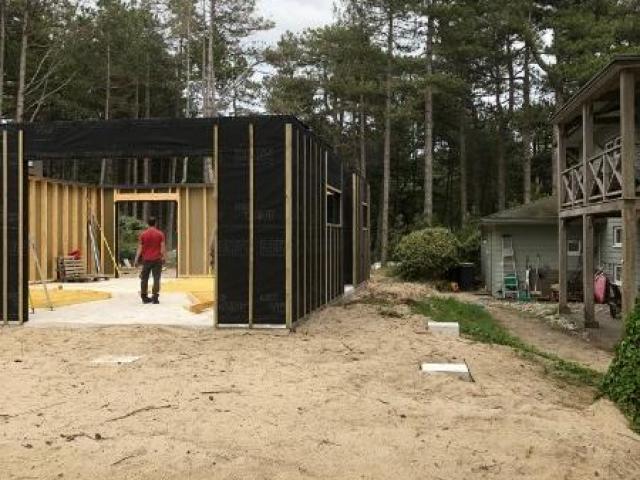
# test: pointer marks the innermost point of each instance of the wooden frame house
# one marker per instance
(271, 226)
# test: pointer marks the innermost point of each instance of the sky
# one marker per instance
(294, 15)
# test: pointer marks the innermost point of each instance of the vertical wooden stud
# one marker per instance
(354, 228)
(216, 280)
(251, 219)
(288, 225)
(305, 225)
(5, 233)
(21, 226)
(326, 250)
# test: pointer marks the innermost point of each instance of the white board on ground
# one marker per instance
(444, 328)
(115, 359)
(455, 369)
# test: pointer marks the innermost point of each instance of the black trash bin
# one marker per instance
(465, 276)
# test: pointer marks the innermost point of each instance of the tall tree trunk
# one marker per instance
(3, 37)
(211, 107)
(526, 129)
(23, 63)
(188, 66)
(211, 104)
(502, 165)
(428, 124)
(464, 213)
(512, 78)
(107, 108)
(146, 162)
(387, 144)
(363, 138)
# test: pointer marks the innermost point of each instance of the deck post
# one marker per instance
(587, 149)
(560, 164)
(587, 272)
(629, 221)
(563, 306)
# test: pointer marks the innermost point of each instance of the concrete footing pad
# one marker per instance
(459, 370)
(444, 328)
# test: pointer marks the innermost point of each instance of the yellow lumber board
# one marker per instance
(61, 298)
(189, 284)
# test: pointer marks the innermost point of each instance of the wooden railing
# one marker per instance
(604, 181)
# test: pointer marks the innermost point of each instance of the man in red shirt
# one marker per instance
(152, 252)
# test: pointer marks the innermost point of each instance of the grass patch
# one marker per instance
(478, 324)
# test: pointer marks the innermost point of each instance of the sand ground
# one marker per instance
(342, 397)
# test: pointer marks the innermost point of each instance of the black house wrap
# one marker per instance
(279, 241)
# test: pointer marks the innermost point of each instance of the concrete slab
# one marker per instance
(455, 369)
(444, 328)
(123, 308)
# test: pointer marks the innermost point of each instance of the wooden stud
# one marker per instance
(318, 185)
(327, 253)
(288, 199)
(5, 233)
(21, 279)
(354, 228)
(55, 223)
(251, 219)
(100, 234)
(187, 231)
(305, 261)
(205, 234)
(65, 219)
(34, 213)
(215, 222)
(84, 225)
(298, 224)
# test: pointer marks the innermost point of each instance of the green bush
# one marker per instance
(622, 381)
(427, 254)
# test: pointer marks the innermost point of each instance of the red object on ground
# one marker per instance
(76, 254)
(151, 240)
(600, 288)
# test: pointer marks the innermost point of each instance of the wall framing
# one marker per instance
(267, 210)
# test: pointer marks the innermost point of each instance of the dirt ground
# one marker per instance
(340, 398)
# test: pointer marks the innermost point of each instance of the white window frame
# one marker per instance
(617, 244)
(574, 253)
(617, 277)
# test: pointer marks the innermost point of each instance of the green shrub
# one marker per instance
(130, 228)
(427, 254)
(622, 381)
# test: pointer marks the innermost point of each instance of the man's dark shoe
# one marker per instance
(155, 300)
(145, 299)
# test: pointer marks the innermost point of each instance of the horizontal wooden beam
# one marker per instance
(595, 209)
(145, 197)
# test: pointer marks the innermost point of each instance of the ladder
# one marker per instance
(510, 283)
